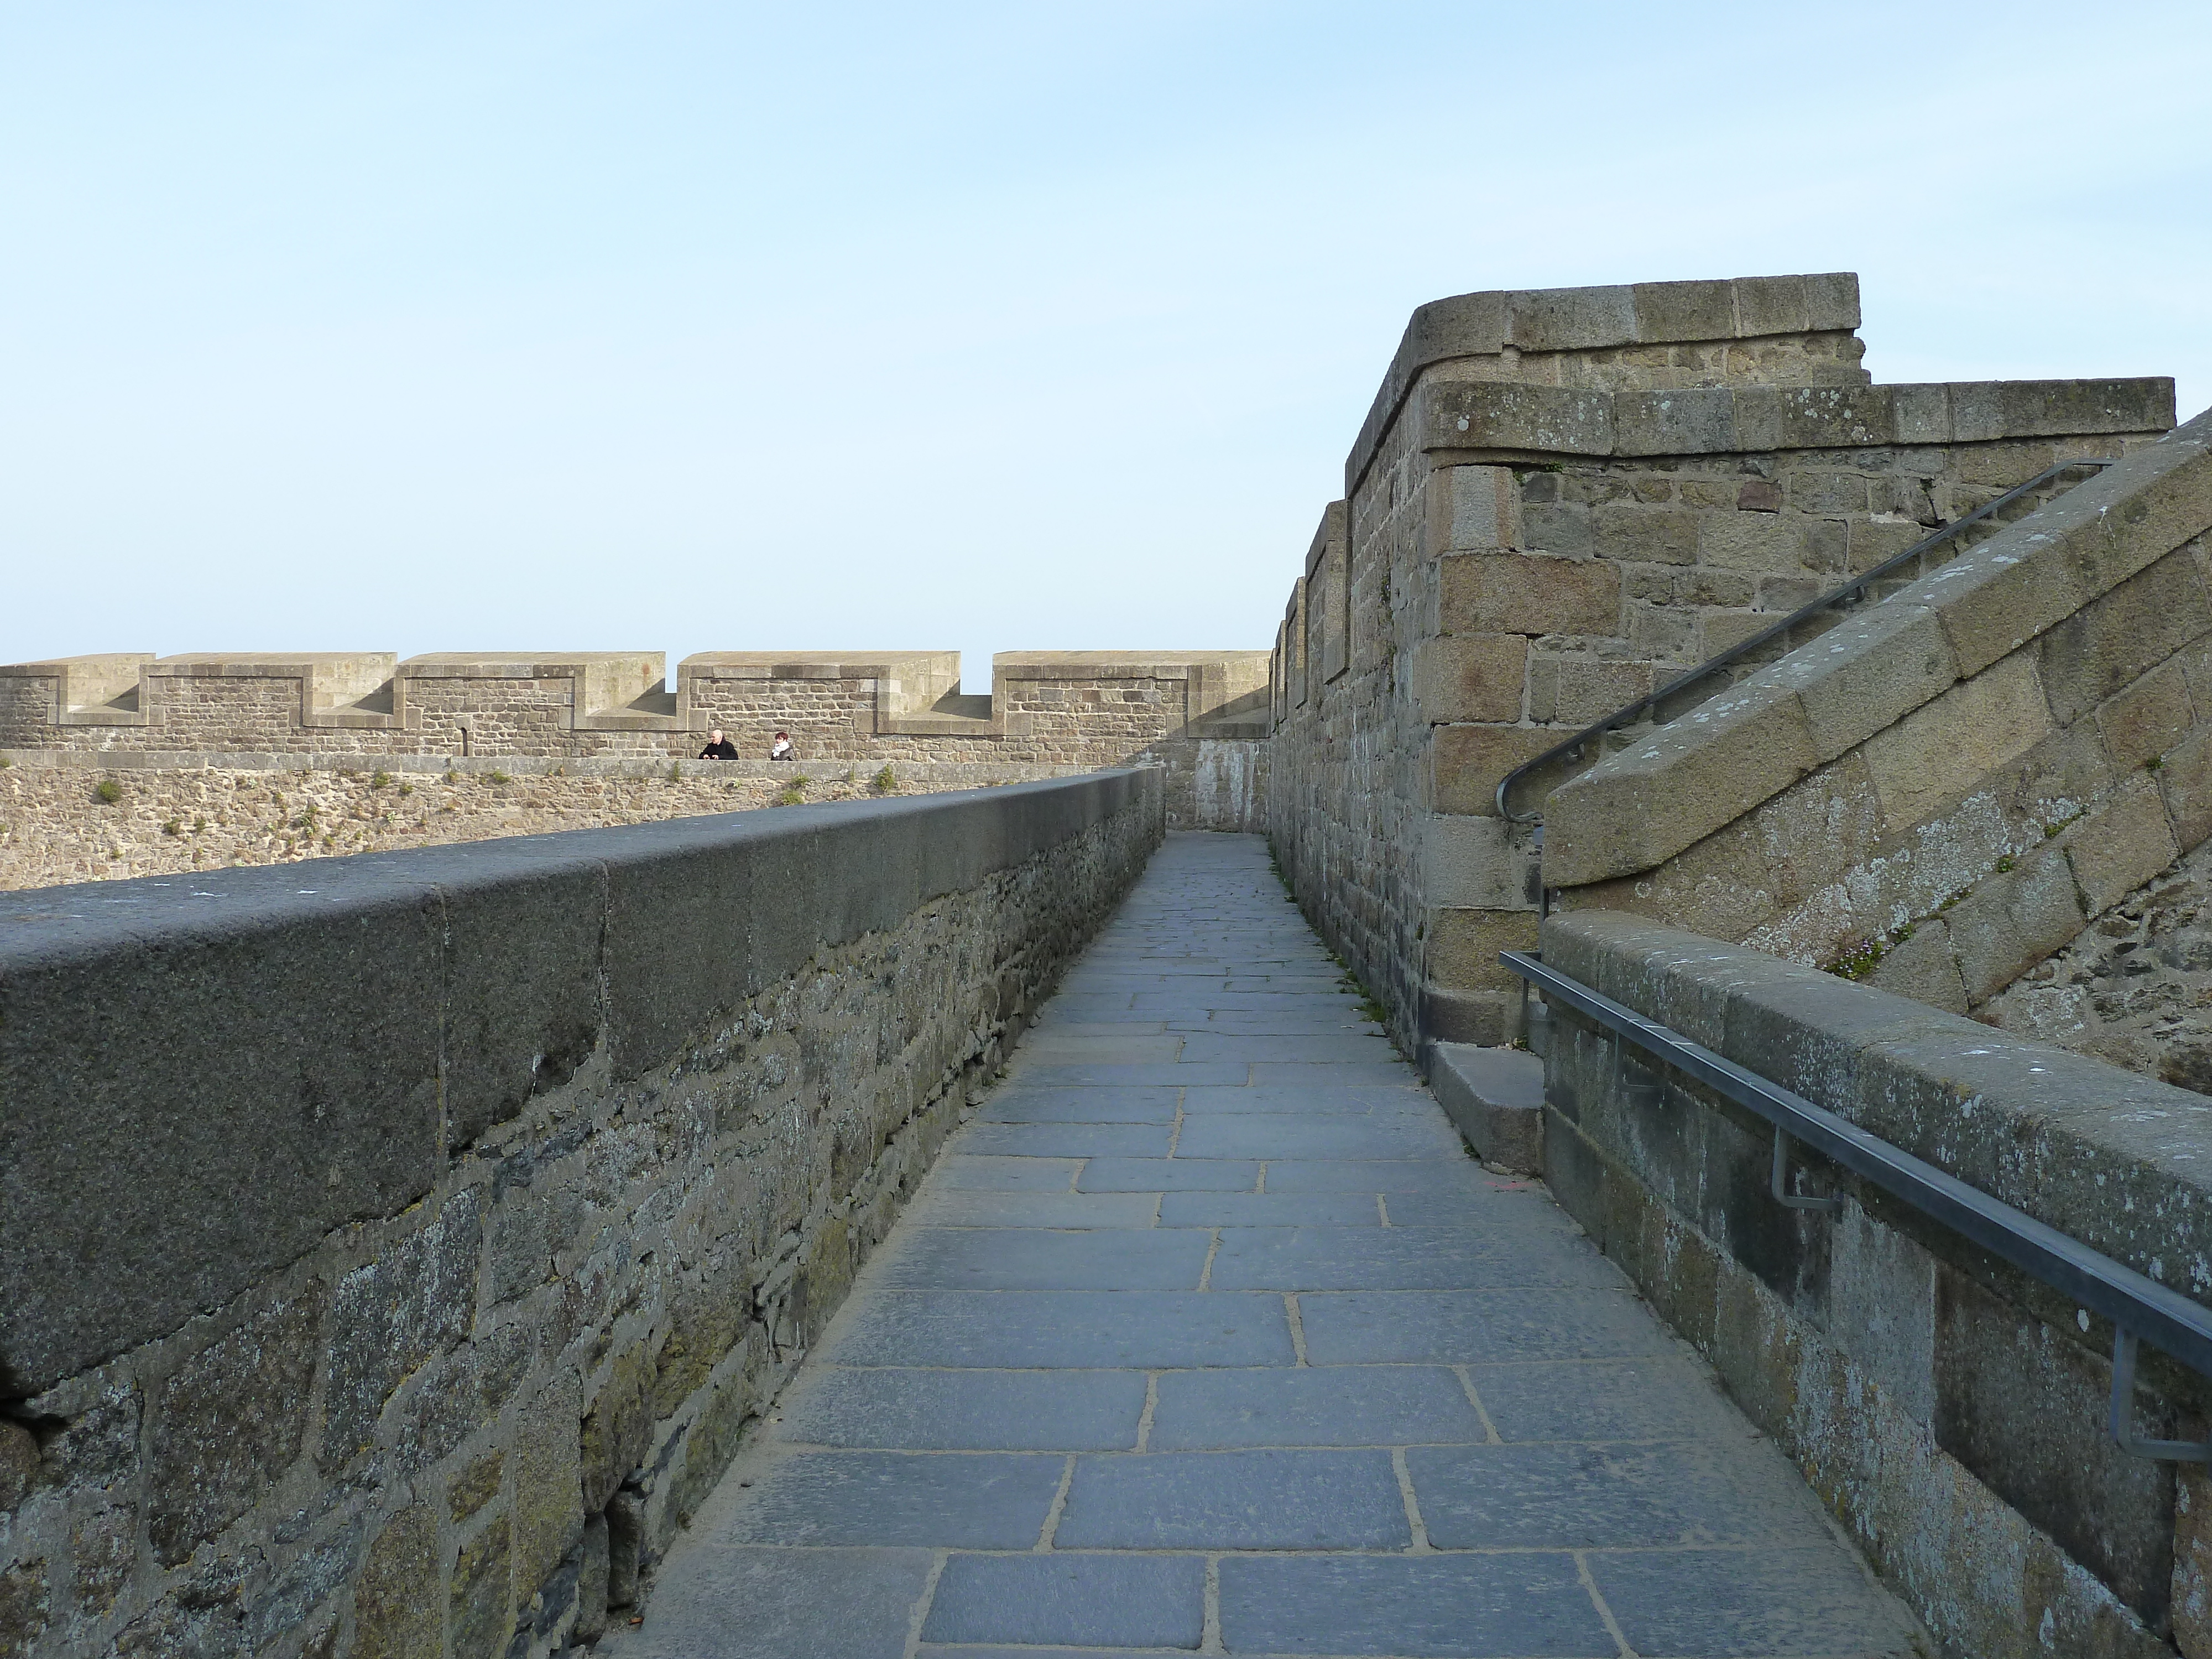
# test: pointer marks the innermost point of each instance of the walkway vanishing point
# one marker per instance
(1207, 1335)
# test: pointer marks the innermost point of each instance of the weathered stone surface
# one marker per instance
(2117, 849)
(592, 1582)
(397, 1604)
(618, 1426)
(1872, 670)
(1466, 762)
(19, 1463)
(102, 1548)
(1474, 864)
(25, 1607)
(332, 1077)
(393, 1313)
(548, 1508)
(1940, 752)
(1629, 813)
(2111, 642)
(475, 1486)
(228, 1423)
(625, 1533)
(1478, 508)
(2145, 720)
(1472, 677)
(1495, 1098)
(1463, 946)
(481, 1613)
(1521, 593)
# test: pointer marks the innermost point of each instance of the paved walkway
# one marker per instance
(1208, 1334)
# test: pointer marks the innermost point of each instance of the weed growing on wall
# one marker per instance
(884, 782)
(107, 792)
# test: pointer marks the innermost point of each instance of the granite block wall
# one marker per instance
(1558, 501)
(457, 1208)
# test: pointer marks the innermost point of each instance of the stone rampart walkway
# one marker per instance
(1208, 1335)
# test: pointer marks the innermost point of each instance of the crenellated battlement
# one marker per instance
(1053, 707)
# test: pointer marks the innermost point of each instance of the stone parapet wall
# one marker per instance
(1949, 1410)
(1517, 557)
(457, 1208)
(1944, 790)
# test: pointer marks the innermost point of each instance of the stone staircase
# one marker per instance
(1521, 792)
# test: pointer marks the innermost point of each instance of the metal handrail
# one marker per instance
(2138, 1306)
(1572, 747)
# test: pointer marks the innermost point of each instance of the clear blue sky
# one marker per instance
(714, 327)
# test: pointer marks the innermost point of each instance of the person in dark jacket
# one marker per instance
(718, 747)
(780, 749)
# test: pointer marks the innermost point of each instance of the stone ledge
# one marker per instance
(1484, 420)
(1495, 1097)
(239, 1062)
(1486, 325)
(2120, 1161)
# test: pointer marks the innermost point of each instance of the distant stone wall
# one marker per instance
(397, 1246)
(1951, 1411)
(1558, 499)
(177, 814)
(1051, 713)
(1938, 793)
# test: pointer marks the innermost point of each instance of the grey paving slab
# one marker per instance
(1317, 1258)
(1206, 1209)
(1008, 1175)
(979, 1500)
(1422, 1606)
(1122, 1023)
(1122, 1077)
(955, 1470)
(1658, 1397)
(741, 1603)
(1170, 1174)
(1165, 1003)
(1230, 1022)
(1128, 1601)
(1388, 1175)
(1094, 1105)
(1092, 1329)
(1083, 1009)
(1048, 1047)
(1236, 1500)
(1705, 1604)
(1029, 1258)
(1245, 1134)
(1355, 1327)
(1313, 1405)
(1064, 1411)
(1597, 1496)
(964, 1206)
(1276, 1098)
(1326, 1074)
(1069, 1140)
(1341, 1048)
(1479, 1203)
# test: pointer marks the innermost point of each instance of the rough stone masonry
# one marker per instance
(396, 1245)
